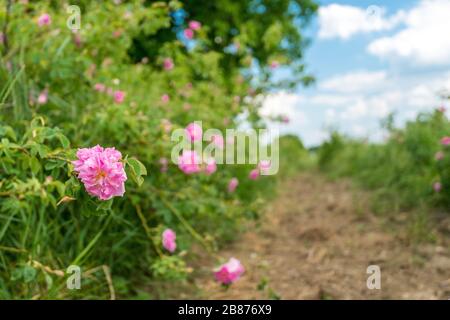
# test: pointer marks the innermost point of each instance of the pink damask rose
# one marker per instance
(211, 166)
(119, 96)
(101, 171)
(254, 174)
(232, 185)
(439, 156)
(100, 87)
(195, 25)
(437, 186)
(264, 166)
(229, 272)
(168, 64)
(445, 141)
(189, 162)
(188, 33)
(194, 132)
(165, 98)
(43, 97)
(169, 240)
(217, 139)
(274, 64)
(44, 20)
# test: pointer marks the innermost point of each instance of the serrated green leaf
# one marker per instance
(64, 141)
(35, 165)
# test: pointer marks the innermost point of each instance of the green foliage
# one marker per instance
(402, 170)
(293, 156)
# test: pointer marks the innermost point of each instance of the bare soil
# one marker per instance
(316, 242)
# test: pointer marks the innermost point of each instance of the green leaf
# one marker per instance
(64, 141)
(28, 273)
(52, 164)
(137, 170)
(25, 273)
(35, 165)
(105, 205)
(137, 166)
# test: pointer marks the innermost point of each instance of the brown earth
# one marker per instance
(316, 242)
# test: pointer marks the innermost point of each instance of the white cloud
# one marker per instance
(356, 113)
(425, 39)
(285, 104)
(343, 21)
(329, 99)
(359, 109)
(281, 103)
(355, 81)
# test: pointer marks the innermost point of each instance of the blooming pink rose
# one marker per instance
(165, 98)
(437, 186)
(43, 97)
(44, 20)
(168, 64)
(264, 166)
(439, 156)
(445, 141)
(211, 166)
(168, 240)
(285, 119)
(189, 162)
(194, 132)
(119, 96)
(188, 33)
(164, 164)
(254, 174)
(274, 64)
(101, 172)
(195, 25)
(229, 272)
(217, 139)
(232, 185)
(100, 87)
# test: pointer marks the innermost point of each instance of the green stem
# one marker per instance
(92, 243)
(184, 222)
(147, 230)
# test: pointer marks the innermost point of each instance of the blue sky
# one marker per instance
(370, 58)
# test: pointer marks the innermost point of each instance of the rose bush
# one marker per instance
(123, 81)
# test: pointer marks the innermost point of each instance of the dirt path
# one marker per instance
(316, 242)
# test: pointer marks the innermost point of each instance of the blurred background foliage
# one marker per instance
(407, 172)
